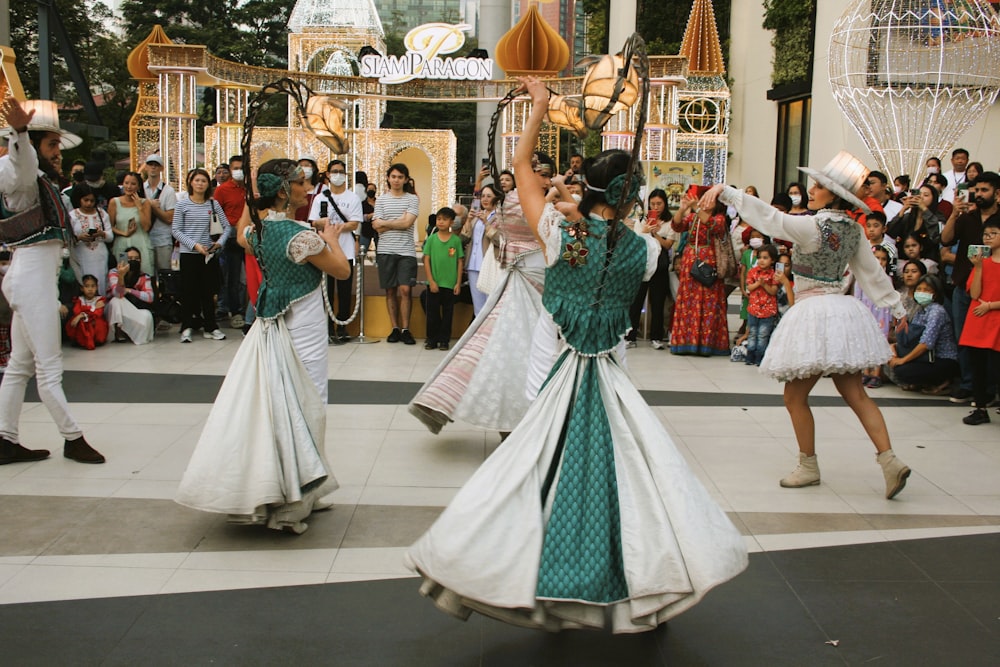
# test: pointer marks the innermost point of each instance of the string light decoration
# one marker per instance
(912, 76)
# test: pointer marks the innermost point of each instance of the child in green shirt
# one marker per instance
(443, 265)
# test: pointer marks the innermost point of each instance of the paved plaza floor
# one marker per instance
(98, 566)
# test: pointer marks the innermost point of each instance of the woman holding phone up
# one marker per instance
(658, 286)
(132, 219)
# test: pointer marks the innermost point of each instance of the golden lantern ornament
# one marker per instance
(324, 116)
(566, 112)
(610, 85)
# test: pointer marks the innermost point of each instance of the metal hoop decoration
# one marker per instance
(492, 135)
(296, 90)
(634, 55)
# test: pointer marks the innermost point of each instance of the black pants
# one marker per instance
(236, 291)
(440, 306)
(984, 365)
(659, 292)
(339, 292)
(926, 373)
(199, 285)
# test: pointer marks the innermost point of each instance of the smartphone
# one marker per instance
(486, 162)
(962, 193)
(979, 251)
(122, 257)
(652, 217)
(779, 268)
(915, 192)
(696, 191)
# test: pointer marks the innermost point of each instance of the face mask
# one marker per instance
(577, 198)
(65, 253)
(237, 174)
(933, 170)
(371, 194)
(923, 298)
(796, 199)
(897, 189)
(756, 242)
(307, 172)
(338, 179)
(133, 265)
(95, 184)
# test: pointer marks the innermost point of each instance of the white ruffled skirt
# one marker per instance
(484, 552)
(821, 335)
(260, 457)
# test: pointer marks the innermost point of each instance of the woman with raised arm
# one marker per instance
(260, 458)
(587, 513)
(482, 380)
(827, 332)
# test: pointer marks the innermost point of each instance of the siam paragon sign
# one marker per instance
(425, 45)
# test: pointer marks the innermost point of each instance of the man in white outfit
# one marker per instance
(30, 211)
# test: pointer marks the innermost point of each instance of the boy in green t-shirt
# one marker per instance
(443, 266)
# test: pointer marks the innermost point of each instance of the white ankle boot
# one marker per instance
(805, 474)
(895, 472)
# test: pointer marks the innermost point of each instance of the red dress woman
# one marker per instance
(700, 325)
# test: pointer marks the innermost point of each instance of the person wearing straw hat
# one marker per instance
(36, 221)
(827, 332)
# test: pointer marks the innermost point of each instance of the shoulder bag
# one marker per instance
(701, 270)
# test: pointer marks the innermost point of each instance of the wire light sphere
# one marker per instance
(912, 76)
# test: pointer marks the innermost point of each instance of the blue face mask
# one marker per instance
(923, 298)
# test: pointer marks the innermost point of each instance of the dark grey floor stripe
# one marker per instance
(921, 602)
(93, 387)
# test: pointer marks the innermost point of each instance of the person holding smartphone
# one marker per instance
(919, 217)
(658, 285)
(132, 221)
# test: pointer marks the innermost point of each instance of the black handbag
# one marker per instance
(907, 340)
(701, 270)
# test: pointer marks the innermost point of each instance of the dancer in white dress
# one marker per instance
(827, 332)
(261, 457)
(587, 512)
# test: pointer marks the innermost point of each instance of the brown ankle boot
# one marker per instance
(81, 452)
(13, 452)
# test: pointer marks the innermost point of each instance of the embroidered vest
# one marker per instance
(285, 282)
(45, 221)
(840, 237)
(589, 300)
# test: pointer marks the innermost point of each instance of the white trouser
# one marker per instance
(36, 341)
(479, 299)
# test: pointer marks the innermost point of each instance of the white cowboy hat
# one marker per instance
(843, 176)
(46, 119)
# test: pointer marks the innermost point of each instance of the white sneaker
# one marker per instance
(236, 322)
(657, 344)
(186, 335)
(215, 335)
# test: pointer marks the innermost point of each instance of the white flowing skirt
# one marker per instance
(482, 380)
(135, 322)
(484, 551)
(827, 334)
(261, 453)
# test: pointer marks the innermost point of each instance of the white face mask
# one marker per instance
(756, 242)
(65, 253)
(577, 198)
(237, 174)
(796, 199)
(307, 172)
(897, 189)
(933, 170)
(338, 179)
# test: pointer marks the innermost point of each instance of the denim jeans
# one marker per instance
(758, 336)
(960, 301)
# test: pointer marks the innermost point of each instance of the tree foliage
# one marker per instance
(100, 52)
(792, 22)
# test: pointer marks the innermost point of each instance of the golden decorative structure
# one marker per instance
(566, 112)
(532, 47)
(703, 114)
(608, 89)
(326, 36)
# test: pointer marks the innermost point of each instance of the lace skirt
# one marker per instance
(822, 335)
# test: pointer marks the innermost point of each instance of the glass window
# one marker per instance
(793, 141)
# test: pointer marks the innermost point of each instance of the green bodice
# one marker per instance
(589, 300)
(285, 282)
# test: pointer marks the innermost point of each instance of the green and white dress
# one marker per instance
(588, 506)
(260, 458)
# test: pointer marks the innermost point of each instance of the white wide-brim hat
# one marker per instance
(46, 119)
(843, 176)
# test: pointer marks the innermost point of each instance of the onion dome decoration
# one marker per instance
(138, 59)
(532, 47)
(701, 41)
